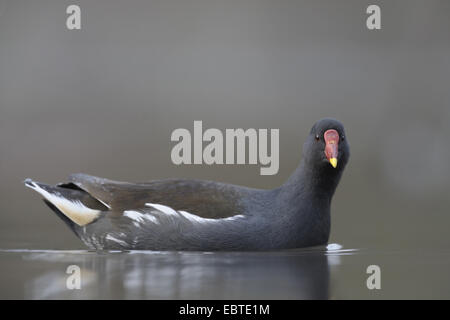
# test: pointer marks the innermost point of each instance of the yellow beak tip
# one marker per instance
(333, 162)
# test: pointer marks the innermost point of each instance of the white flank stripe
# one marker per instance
(138, 217)
(134, 215)
(191, 217)
(194, 218)
(165, 209)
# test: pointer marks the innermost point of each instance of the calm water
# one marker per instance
(105, 100)
(319, 273)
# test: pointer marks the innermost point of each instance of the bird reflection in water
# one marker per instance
(293, 274)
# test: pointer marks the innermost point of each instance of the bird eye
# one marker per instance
(317, 137)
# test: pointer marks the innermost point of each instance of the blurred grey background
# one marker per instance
(104, 100)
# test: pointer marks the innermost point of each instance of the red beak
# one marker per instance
(331, 146)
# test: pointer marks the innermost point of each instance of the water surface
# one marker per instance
(318, 273)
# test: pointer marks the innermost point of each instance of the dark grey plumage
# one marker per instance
(205, 215)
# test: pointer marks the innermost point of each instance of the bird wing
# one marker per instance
(205, 199)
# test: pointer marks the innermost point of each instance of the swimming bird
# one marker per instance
(180, 214)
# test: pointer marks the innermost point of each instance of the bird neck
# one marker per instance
(316, 182)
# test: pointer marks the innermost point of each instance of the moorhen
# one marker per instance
(178, 214)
